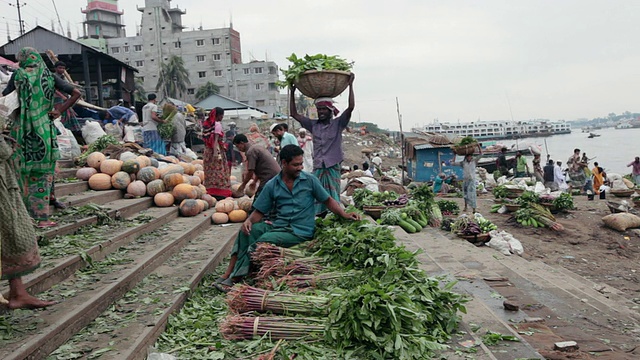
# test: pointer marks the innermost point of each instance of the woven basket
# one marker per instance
(512, 207)
(326, 83)
(468, 149)
(622, 193)
(477, 240)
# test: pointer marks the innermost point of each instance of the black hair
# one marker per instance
(285, 126)
(355, 167)
(151, 97)
(550, 162)
(102, 114)
(277, 127)
(576, 150)
(59, 63)
(595, 164)
(365, 166)
(288, 152)
(219, 111)
(241, 138)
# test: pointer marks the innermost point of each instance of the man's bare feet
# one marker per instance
(28, 302)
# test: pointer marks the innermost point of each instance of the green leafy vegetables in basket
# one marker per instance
(448, 207)
(166, 129)
(317, 62)
(365, 197)
(467, 140)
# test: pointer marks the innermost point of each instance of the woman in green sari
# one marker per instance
(37, 152)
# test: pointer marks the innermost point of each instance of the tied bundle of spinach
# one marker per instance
(317, 62)
(563, 202)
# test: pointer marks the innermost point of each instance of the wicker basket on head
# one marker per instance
(468, 149)
(326, 83)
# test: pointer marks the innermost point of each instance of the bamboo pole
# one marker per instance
(402, 146)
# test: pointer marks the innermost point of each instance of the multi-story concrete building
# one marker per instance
(103, 21)
(212, 55)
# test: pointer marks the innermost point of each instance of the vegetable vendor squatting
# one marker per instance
(292, 194)
(327, 140)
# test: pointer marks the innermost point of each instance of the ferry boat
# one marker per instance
(500, 129)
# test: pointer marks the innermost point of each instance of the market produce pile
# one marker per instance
(349, 293)
(312, 62)
(535, 210)
(166, 179)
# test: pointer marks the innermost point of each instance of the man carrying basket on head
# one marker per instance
(327, 140)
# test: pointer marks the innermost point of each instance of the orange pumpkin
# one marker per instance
(171, 169)
(198, 162)
(95, 159)
(100, 182)
(194, 180)
(237, 216)
(110, 166)
(184, 191)
(199, 167)
(219, 218)
(171, 180)
(199, 174)
(163, 199)
(185, 179)
(148, 174)
(85, 173)
(143, 161)
(225, 206)
(154, 187)
(244, 203)
(189, 208)
(120, 180)
(203, 205)
(200, 190)
(137, 188)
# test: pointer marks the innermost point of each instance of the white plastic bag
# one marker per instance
(67, 144)
(92, 131)
(505, 243)
(189, 153)
(114, 130)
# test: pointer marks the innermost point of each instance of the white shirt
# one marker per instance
(376, 160)
(148, 124)
(368, 172)
(558, 176)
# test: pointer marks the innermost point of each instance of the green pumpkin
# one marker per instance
(130, 166)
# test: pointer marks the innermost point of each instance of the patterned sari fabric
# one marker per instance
(37, 151)
(217, 172)
(153, 141)
(18, 244)
(330, 180)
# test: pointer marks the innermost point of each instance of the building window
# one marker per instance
(246, 71)
(191, 91)
(273, 87)
(217, 73)
(217, 57)
(200, 58)
(126, 48)
(139, 63)
(258, 86)
(202, 74)
(259, 102)
(257, 70)
(115, 50)
(177, 44)
(216, 41)
(137, 48)
(199, 42)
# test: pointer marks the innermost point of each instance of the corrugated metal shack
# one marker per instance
(426, 159)
(86, 65)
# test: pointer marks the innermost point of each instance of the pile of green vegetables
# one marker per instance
(383, 308)
(448, 207)
(410, 218)
(102, 143)
(365, 197)
(166, 129)
(563, 202)
(500, 192)
(317, 62)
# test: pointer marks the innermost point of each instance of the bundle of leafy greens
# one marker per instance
(102, 143)
(317, 62)
(466, 141)
(165, 129)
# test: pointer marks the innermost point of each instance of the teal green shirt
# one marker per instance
(288, 139)
(294, 209)
(521, 165)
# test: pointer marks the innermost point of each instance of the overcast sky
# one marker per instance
(451, 60)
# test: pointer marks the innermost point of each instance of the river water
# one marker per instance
(613, 149)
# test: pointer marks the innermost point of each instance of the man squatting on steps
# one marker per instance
(291, 194)
(327, 140)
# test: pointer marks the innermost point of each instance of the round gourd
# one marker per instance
(137, 188)
(225, 206)
(219, 218)
(237, 216)
(185, 179)
(200, 190)
(95, 159)
(183, 192)
(154, 162)
(131, 166)
(148, 174)
(163, 199)
(189, 207)
(172, 159)
(144, 161)
(198, 162)
(235, 191)
(127, 155)
(190, 169)
(199, 167)
(203, 204)
(85, 173)
(209, 199)
(155, 186)
(120, 180)
(194, 180)
(171, 180)
(100, 182)
(171, 169)
(199, 174)
(244, 203)
(110, 166)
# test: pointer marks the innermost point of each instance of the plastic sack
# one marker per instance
(67, 144)
(621, 221)
(114, 130)
(505, 243)
(92, 131)
(191, 154)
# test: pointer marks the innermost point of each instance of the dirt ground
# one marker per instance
(585, 247)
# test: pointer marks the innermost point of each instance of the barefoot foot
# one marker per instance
(28, 302)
